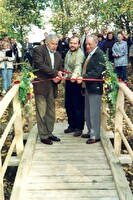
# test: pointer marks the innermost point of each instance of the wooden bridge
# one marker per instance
(69, 169)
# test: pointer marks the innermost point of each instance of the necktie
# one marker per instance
(84, 68)
(85, 64)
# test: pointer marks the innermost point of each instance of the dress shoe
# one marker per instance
(85, 135)
(69, 130)
(77, 133)
(54, 138)
(46, 141)
(92, 141)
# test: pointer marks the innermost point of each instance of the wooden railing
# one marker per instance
(120, 118)
(16, 123)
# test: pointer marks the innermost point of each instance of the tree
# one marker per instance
(5, 18)
(25, 13)
(69, 14)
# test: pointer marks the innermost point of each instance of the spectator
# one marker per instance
(74, 33)
(27, 50)
(107, 46)
(61, 46)
(122, 32)
(130, 45)
(120, 54)
(18, 53)
(66, 41)
(45, 35)
(83, 39)
(5, 39)
(101, 41)
(6, 66)
(105, 32)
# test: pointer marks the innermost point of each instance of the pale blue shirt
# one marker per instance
(51, 57)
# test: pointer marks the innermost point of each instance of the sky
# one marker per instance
(37, 34)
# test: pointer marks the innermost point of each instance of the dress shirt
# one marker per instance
(51, 57)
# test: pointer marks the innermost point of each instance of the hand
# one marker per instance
(56, 80)
(5, 58)
(60, 74)
(79, 79)
(72, 79)
(63, 82)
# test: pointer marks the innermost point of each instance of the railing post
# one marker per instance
(1, 181)
(18, 126)
(103, 116)
(118, 122)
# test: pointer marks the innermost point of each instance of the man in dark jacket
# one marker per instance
(95, 66)
(48, 63)
(27, 50)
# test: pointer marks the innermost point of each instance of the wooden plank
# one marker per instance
(71, 172)
(121, 182)
(71, 161)
(40, 164)
(69, 155)
(125, 159)
(70, 193)
(77, 198)
(71, 179)
(14, 161)
(65, 148)
(69, 169)
(70, 186)
(24, 165)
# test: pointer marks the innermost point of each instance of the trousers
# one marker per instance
(93, 114)
(45, 114)
(74, 104)
(6, 78)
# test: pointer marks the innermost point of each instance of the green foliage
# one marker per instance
(6, 18)
(23, 14)
(17, 16)
(70, 14)
(24, 85)
(110, 86)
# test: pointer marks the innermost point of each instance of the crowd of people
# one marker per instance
(69, 61)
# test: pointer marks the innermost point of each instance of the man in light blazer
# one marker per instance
(49, 64)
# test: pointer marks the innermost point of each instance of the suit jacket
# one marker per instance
(42, 62)
(28, 49)
(95, 68)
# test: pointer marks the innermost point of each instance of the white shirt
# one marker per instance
(92, 52)
(51, 57)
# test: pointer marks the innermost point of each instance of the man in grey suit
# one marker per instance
(49, 64)
(95, 66)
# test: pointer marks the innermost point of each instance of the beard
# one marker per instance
(73, 49)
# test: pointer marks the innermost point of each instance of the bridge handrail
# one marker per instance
(16, 120)
(118, 121)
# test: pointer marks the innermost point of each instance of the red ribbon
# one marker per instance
(69, 79)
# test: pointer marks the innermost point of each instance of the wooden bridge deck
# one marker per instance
(70, 169)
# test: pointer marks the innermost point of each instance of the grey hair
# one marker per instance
(95, 38)
(51, 36)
